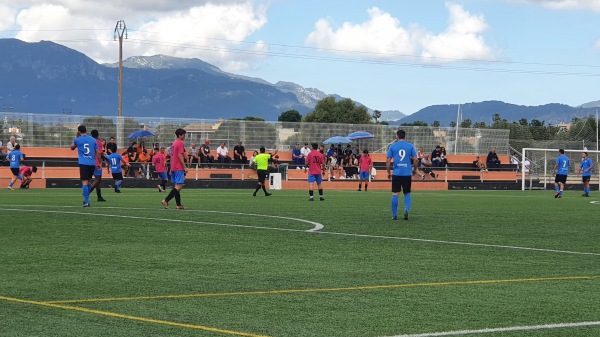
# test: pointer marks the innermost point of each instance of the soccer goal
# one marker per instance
(538, 164)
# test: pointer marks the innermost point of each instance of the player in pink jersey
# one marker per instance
(178, 169)
(98, 170)
(25, 173)
(159, 161)
(365, 164)
(316, 166)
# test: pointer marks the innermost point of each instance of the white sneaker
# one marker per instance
(297, 167)
(10, 187)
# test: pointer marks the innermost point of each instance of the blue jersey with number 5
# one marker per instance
(86, 150)
(563, 165)
(402, 152)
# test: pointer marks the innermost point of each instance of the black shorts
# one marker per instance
(117, 176)
(15, 171)
(585, 179)
(561, 178)
(262, 175)
(86, 172)
(401, 184)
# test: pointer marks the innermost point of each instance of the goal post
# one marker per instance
(539, 164)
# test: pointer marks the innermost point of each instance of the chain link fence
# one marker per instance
(43, 130)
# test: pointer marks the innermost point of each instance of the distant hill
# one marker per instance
(553, 113)
(46, 77)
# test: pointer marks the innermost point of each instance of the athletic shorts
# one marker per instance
(401, 184)
(178, 177)
(560, 178)
(585, 179)
(162, 175)
(318, 178)
(262, 175)
(364, 175)
(98, 171)
(15, 171)
(117, 176)
(86, 172)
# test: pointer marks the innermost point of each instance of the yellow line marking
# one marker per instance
(296, 291)
(129, 317)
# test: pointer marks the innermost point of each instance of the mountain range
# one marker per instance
(45, 77)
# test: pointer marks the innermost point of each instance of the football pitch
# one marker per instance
(466, 263)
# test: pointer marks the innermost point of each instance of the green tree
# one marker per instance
(479, 125)
(466, 123)
(105, 126)
(345, 111)
(290, 116)
(376, 115)
(415, 123)
(436, 124)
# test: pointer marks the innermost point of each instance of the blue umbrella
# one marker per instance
(356, 135)
(337, 140)
(141, 133)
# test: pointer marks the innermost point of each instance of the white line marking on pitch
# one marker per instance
(508, 329)
(314, 230)
(317, 226)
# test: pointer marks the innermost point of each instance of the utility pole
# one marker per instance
(120, 31)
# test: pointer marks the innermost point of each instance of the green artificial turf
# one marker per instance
(235, 265)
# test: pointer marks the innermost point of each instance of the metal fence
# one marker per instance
(44, 130)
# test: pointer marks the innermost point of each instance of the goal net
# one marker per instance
(537, 167)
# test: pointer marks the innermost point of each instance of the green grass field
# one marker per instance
(514, 263)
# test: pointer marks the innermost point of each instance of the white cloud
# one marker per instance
(208, 31)
(7, 17)
(564, 4)
(383, 37)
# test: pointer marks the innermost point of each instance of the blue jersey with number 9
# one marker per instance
(86, 150)
(402, 152)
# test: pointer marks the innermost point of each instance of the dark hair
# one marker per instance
(561, 151)
(34, 169)
(81, 129)
(586, 154)
(315, 146)
(112, 147)
(366, 151)
(179, 132)
(95, 133)
(262, 149)
(401, 134)
(17, 146)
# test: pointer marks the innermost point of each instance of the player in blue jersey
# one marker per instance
(15, 157)
(115, 161)
(561, 168)
(585, 169)
(87, 150)
(405, 162)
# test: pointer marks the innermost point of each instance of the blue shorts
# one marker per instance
(318, 178)
(178, 177)
(162, 175)
(98, 172)
(585, 179)
(364, 175)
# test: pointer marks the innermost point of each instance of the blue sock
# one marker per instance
(394, 205)
(407, 202)
(10, 184)
(119, 184)
(556, 188)
(86, 193)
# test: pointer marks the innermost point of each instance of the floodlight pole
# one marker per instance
(458, 119)
(120, 31)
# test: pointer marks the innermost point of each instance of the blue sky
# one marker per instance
(386, 54)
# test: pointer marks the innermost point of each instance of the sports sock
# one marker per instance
(407, 202)
(366, 186)
(171, 194)
(10, 184)
(119, 184)
(264, 189)
(163, 184)
(257, 188)
(394, 205)
(311, 193)
(556, 188)
(99, 192)
(321, 192)
(85, 190)
(178, 198)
